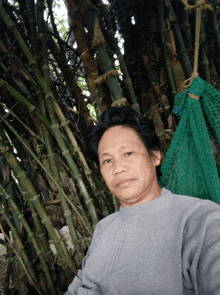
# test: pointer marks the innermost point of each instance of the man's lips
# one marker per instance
(123, 182)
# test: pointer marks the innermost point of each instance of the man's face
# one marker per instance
(127, 168)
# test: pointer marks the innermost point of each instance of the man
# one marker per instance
(159, 242)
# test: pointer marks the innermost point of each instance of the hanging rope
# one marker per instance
(201, 4)
(120, 102)
(104, 77)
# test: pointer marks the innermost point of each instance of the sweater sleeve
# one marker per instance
(76, 287)
(201, 250)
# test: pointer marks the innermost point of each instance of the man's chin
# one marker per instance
(127, 200)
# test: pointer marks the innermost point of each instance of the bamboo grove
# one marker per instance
(46, 179)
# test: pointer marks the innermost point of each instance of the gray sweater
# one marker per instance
(169, 246)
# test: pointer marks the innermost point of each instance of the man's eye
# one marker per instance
(128, 153)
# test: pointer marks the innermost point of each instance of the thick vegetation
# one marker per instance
(52, 86)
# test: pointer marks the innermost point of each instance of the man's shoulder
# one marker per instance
(107, 221)
(189, 203)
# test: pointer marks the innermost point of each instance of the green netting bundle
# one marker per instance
(189, 167)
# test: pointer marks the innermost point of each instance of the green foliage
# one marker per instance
(92, 111)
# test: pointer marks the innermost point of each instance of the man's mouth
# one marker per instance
(124, 182)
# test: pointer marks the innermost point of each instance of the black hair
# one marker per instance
(124, 116)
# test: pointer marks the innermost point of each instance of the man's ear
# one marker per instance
(157, 157)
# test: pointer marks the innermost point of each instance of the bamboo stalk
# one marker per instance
(61, 191)
(74, 169)
(8, 272)
(33, 212)
(22, 123)
(114, 44)
(32, 62)
(185, 61)
(67, 211)
(167, 60)
(81, 38)
(48, 95)
(31, 237)
(77, 150)
(102, 54)
(186, 29)
(60, 55)
(21, 254)
(5, 175)
(215, 37)
(204, 62)
(33, 32)
(31, 195)
(214, 23)
(20, 98)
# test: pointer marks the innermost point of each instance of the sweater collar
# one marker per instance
(143, 208)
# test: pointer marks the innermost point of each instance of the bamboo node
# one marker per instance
(94, 74)
(67, 213)
(159, 134)
(35, 198)
(98, 35)
(128, 80)
(7, 196)
(21, 174)
(34, 214)
(65, 152)
(34, 62)
(200, 4)
(32, 108)
(77, 176)
(41, 35)
(121, 102)
(89, 201)
(44, 220)
(77, 150)
(66, 123)
(193, 96)
(2, 84)
(48, 95)
(54, 126)
(4, 149)
(135, 107)
(165, 102)
(3, 48)
(105, 77)
(81, 56)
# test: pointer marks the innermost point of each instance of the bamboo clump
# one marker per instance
(47, 181)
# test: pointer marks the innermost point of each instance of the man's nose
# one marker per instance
(119, 167)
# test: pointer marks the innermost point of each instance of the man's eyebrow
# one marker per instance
(104, 154)
(129, 146)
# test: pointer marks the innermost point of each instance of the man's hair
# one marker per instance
(127, 117)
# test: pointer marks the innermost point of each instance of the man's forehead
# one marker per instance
(119, 134)
(107, 150)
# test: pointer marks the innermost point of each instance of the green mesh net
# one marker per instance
(189, 167)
